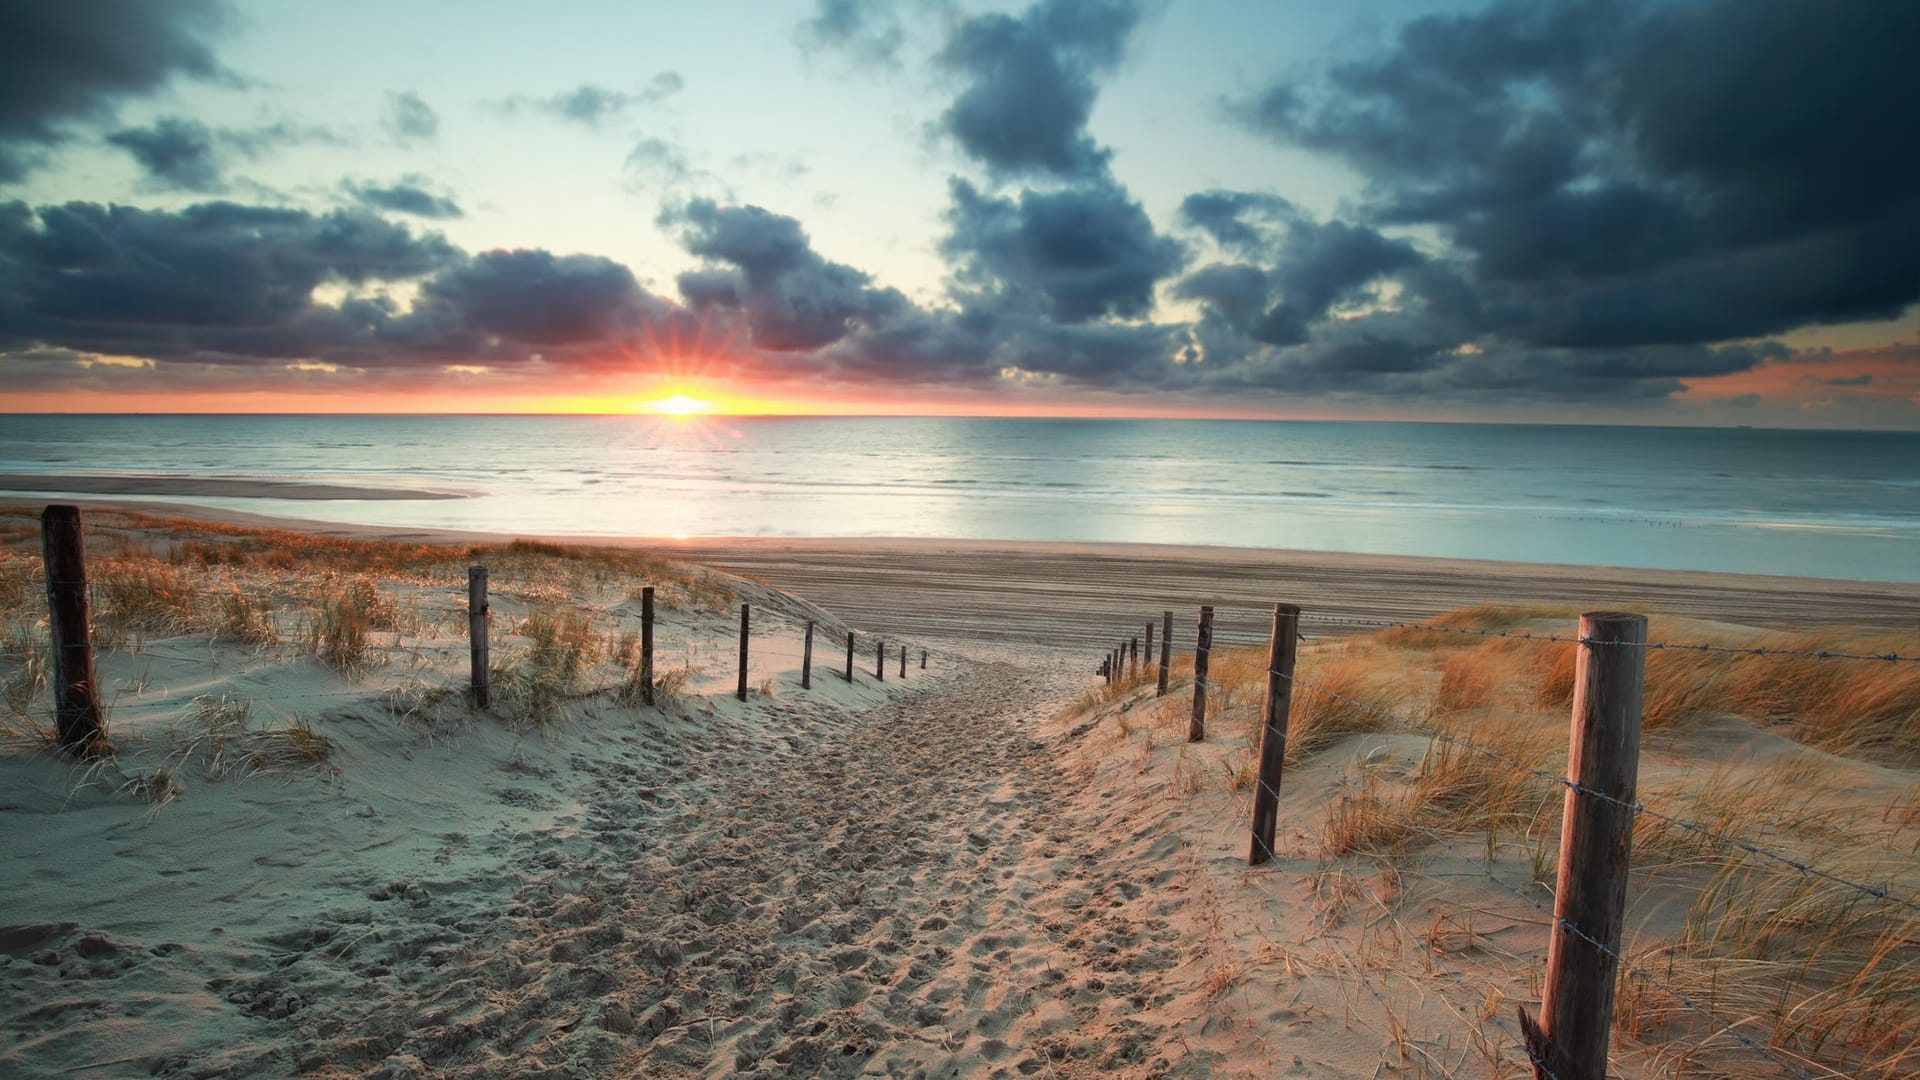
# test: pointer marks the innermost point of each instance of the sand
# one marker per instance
(958, 873)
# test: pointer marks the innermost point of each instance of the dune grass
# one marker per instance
(1824, 975)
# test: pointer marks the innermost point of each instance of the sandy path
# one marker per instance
(898, 892)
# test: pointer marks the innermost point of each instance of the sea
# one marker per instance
(1842, 504)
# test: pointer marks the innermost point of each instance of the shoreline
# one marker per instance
(1068, 594)
(224, 487)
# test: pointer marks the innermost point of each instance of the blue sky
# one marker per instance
(1391, 209)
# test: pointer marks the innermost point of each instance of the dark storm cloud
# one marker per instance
(411, 194)
(175, 153)
(1312, 266)
(63, 64)
(763, 265)
(1617, 173)
(409, 118)
(1089, 250)
(179, 154)
(589, 104)
(225, 285)
(1029, 84)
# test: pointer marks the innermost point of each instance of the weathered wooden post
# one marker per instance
(646, 642)
(76, 702)
(880, 660)
(923, 659)
(1133, 656)
(1197, 727)
(1596, 835)
(849, 656)
(741, 691)
(479, 662)
(806, 659)
(1273, 730)
(903, 661)
(1148, 651)
(1166, 650)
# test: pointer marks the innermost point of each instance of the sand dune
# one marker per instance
(975, 871)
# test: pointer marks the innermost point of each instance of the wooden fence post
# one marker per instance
(806, 659)
(880, 660)
(646, 642)
(849, 656)
(741, 691)
(1596, 835)
(1273, 730)
(477, 645)
(1197, 727)
(903, 661)
(1133, 656)
(1166, 650)
(1148, 651)
(923, 659)
(76, 702)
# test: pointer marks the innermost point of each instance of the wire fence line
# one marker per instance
(1877, 892)
(1278, 670)
(1655, 646)
(1799, 1069)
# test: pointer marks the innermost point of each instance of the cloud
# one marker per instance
(589, 104)
(1090, 250)
(1616, 173)
(867, 30)
(657, 159)
(408, 117)
(179, 154)
(250, 289)
(763, 266)
(410, 194)
(1029, 84)
(63, 65)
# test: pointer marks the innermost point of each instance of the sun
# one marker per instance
(680, 405)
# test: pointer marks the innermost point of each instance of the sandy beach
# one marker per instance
(317, 862)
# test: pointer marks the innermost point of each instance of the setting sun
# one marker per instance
(680, 405)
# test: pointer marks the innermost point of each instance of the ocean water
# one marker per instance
(1819, 503)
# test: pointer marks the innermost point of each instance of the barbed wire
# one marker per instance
(1567, 926)
(1878, 892)
(1678, 646)
(1386, 910)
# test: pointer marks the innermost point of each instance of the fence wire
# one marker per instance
(1678, 646)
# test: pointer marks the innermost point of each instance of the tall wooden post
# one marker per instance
(1273, 730)
(923, 659)
(76, 702)
(1133, 656)
(880, 660)
(806, 659)
(1197, 727)
(903, 661)
(741, 691)
(480, 662)
(1596, 835)
(646, 642)
(1148, 651)
(849, 656)
(1166, 650)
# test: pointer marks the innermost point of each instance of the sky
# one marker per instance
(1609, 211)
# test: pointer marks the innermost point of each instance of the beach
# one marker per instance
(310, 857)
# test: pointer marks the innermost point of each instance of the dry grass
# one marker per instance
(218, 733)
(1825, 975)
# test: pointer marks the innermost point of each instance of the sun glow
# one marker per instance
(680, 405)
